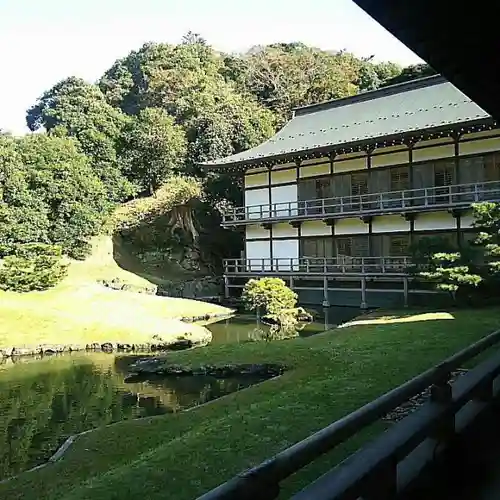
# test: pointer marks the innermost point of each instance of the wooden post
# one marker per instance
(383, 484)
(405, 291)
(441, 393)
(326, 302)
(363, 293)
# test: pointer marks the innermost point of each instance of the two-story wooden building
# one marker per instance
(335, 199)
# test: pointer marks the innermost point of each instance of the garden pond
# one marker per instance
(44, 400)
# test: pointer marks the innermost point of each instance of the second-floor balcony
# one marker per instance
(341, 265)
(404, 201)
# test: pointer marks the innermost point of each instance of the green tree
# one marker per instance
(269, 295)
(76, 108)
(487, 221)
(31, 266)
(154, 148)
(49, 193)
(409, 73)
(24, 217)
(450, 272)
(284, 76)
(189, 81)
(374, 75)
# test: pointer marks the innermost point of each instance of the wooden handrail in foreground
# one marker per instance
(385, 457)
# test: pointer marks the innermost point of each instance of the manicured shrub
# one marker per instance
(31, 266)
(268, 295)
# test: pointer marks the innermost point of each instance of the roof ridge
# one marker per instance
(369, 95)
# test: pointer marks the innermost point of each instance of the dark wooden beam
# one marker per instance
(461, 43)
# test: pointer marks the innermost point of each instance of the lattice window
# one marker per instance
(398, 245)
(323, 188)
(492, 167)
(399, 179)
(359, 184)
(316, 247)
(352, 246)
(443, 174)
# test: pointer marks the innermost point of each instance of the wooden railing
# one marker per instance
(319, 266)
(421, 199)
(385, 467)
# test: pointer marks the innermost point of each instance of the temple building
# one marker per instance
(336, 198)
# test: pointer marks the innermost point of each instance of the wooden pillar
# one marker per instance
(456, 138)
(269, 184)
(411, 183)
(326, 302)
(369, 152)
(458, 218)
(363, 293)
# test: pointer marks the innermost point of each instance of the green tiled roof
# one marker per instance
(427, 103)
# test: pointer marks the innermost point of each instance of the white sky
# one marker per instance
(44, 41)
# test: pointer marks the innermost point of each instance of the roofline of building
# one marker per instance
(370, 95)
(373, 142)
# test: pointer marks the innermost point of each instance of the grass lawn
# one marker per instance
(182, 455)
(79, 310)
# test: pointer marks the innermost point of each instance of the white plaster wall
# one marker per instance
(256, 231)
(434, 221)
(256, 197)
(350, 226)
(312, 170)
(286, 250)
(259, 250)
(349, 165)
(480, 146)
(383, 157)
(261, 179)
(466, 220)
(435, 142)
(433, 153)
(316, 161)
(485, 134)
(284, 230)
(281, 197)
(284, 194)
(282, 176)
(315, 228)
(389, 224)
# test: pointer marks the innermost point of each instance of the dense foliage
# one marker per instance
(49, 193)
(79, 109)
(473, 269)
(268, 295)
(154, 148)
(147, 124)
(31, 266)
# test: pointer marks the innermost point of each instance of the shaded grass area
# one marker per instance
(80, 310)
(183, 455)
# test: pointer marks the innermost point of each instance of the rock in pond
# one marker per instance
(148, 367)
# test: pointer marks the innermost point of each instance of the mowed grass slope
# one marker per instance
(183, 455)
(80, 310)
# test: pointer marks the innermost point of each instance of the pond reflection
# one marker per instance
(44, 401)
(246, 327)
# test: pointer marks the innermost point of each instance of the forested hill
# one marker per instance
(143, 127)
